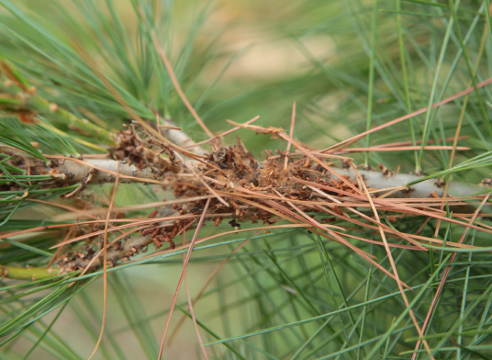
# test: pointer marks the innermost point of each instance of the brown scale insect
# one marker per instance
(174, 232)
(153, 214)
(165, 237)
(155, 233)
(147, 231)
(157, 243)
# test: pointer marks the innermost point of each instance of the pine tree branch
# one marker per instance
(117, 251)
(143, 162)
(180, 138)
(396, 184)
(19, 97)
(393, 182)
(27, 273)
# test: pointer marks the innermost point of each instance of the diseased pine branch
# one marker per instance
(254, 190)
(73, 171)
(117, 251)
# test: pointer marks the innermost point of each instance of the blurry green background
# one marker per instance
(235, 60)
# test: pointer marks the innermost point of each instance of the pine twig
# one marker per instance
(27, 273)
(18, 97)
(73, 171)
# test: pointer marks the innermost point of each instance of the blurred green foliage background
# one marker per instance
(348, 65)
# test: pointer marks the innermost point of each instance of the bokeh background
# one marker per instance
(235, 60)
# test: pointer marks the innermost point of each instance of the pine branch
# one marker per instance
(72, 171)
(19, 97)
(226, 170)
(117, 251)
(396, 185)
(27, 273)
